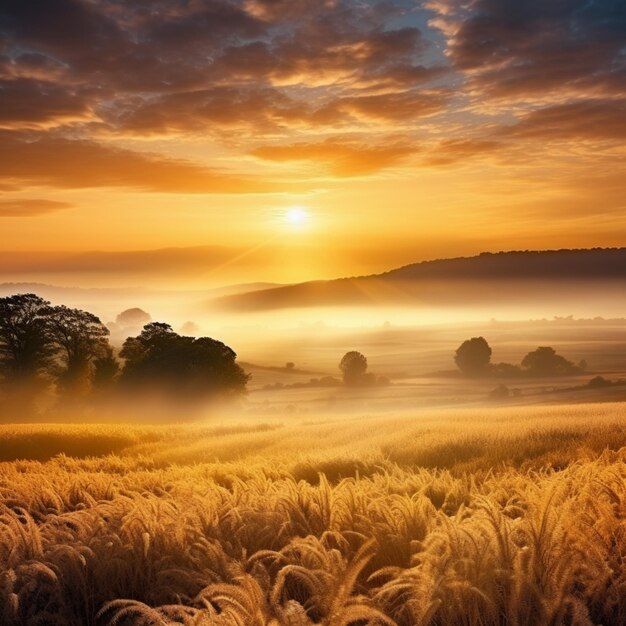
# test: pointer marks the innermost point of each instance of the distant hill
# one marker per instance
(56, 293)
(107, 302)
(511, 276)
(596, 263)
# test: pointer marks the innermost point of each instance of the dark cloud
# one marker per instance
(30, 207)
(207, 66)
(35, 101)
(121, 46)
(513, 49)
(280, 10)
(46, 159)
(338, 157)
(68, 29)
(262, 69)
(585, 119)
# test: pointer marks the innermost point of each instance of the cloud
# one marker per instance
(280, 10)
(585, 119)
(395, 107)
(48, 159)
(165, 260)
(509, 49)
(600, 124)
(452, 151)
(263, 109)
(243, 72)
(30, 207)
(214, 66)
(340, 159)
(37, 102)
(267, 110)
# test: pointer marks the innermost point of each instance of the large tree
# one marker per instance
(473, 356)
(353, 366)
(165, 362)
(82, 341)
(544, 361)
(26, 340)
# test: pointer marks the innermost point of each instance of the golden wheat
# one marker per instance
(477, 517)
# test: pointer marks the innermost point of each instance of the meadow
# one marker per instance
(482, 516)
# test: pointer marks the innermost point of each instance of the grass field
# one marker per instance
(502, 516)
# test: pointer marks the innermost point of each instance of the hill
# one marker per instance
(515, 276)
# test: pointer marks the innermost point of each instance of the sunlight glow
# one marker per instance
(297, 216)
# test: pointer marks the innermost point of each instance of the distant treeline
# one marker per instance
(597, 263)
(473, 358)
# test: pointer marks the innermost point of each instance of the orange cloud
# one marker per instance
(340, 159)
(195, 260)
(46, 159)
(29, 207)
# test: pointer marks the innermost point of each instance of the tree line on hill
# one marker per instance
(45, 347)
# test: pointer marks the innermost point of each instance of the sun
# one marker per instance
(297, 216)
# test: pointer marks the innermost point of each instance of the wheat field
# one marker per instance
(468, 517)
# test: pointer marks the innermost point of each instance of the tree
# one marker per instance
(105, 369)
(26, 343)
(598, 382)
(544, 361)
(473, 356)
(160, 360)
(133, 317)
(82, 340)
(353, 366)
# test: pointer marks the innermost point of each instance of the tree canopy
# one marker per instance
(45, 347)
(82, 342)
(26, 339)
(544, 361)
(473, 356)
(163, 361)
(353, 366)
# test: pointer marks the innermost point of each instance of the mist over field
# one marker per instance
(407, 322)
(312, 313)
(438, 452)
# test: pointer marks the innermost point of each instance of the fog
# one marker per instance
(411, 345)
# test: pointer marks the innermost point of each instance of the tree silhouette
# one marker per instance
(160, 360)
(473, 356)
(133, 317)
(105, 369)
(83, 343)
(26, 342)
(544, 361)
(353, 366)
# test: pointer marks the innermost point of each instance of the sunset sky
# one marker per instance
(200, 142)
